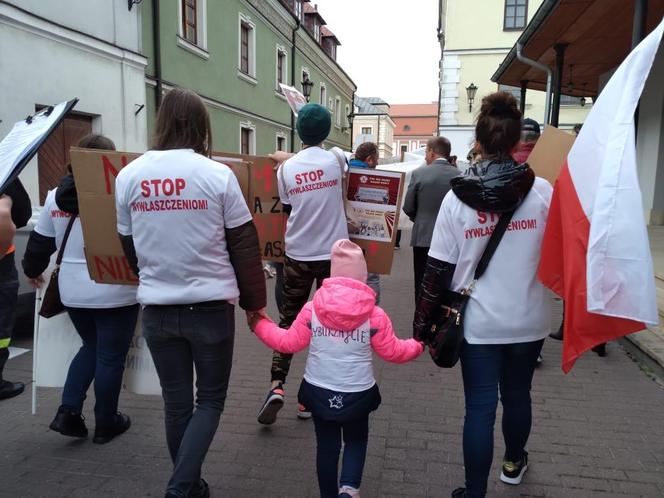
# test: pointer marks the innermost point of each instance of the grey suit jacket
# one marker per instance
(428, 185)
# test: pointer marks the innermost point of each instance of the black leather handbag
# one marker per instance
(51, 302)
(446, 337)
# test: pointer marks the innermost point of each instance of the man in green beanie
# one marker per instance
(311, 191)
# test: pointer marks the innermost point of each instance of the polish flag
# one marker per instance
(595, 252)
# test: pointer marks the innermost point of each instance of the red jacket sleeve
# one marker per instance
(387, 345)
(295, 339)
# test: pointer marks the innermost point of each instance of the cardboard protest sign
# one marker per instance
(240, 168)
(263, 202)
(95, 172)
(550, 152)
(373, 201)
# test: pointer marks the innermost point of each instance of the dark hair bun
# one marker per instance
(498, 127)
(500, 104)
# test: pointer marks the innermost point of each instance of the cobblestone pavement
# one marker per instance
(598, 431)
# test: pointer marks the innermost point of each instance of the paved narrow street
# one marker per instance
(597, 431)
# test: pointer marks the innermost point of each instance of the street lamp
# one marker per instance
(583, 101)
(307, 85)
(350, 118)
(471, 90)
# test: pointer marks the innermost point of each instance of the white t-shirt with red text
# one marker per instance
(508, 304)
(77, 289)
(177, 204)
(311, 183)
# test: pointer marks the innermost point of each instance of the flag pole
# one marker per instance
(35, 342)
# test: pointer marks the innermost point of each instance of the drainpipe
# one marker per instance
(156, 39)
(292, 116)
(352, 111)
(549, 78)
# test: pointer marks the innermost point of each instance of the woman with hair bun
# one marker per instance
(508, 315)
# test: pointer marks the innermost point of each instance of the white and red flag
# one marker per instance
(595, 252)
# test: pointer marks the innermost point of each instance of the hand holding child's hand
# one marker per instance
(253, 317)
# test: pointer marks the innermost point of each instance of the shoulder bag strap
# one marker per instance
(494, 240)
(61, 252)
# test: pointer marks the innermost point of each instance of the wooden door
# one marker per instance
(53, 155)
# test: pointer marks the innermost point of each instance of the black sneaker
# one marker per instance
(69, 423)
(600, 349)
(200, 491)
(10, 389)
(104, 435)
(513, 471)
(459, 493)
(273, 403)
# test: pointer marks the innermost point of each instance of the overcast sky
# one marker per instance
(388, 47)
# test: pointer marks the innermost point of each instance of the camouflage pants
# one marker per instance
(299, 276)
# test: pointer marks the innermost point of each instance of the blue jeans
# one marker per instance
(486, 368)
(182, 338)
(328, 441)
(106, 336)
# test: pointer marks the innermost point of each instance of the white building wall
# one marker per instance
(49, 64)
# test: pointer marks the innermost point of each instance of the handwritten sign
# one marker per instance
(95, 172)
(264, 203)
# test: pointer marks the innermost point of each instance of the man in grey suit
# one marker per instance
(428, 185)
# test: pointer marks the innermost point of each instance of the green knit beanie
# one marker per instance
(313, 124)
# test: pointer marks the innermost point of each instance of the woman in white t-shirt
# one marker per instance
(104, 315)
(507, 317)
(187, 232)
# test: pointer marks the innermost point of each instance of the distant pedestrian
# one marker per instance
(426, 191)
(104, 316)
(310, 188)
(341, 327)
(508, 314)
(194, 260)
(15, 212)
(366, 156)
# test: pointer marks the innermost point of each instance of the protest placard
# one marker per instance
(373, 200)
(294, 98)
(549, 154)
(264, 203)
(95, 172)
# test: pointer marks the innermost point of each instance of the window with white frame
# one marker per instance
(281, 144)
(330, 104)
(323, 94)
(282, 67)
(192, 17)
(346, 113)
(298, 9)
(247, 46)
(367, 130)
(337, 111)
(247, 138)
(317, 30)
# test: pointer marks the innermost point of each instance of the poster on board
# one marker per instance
(373, 200)
(294, 98)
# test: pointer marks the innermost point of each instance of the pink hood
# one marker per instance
(343, 303)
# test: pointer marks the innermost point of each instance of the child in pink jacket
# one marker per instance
(341, 326)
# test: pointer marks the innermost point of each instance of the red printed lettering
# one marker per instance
(114, 268)
(166, 186)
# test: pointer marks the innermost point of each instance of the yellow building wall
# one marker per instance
(479, 24)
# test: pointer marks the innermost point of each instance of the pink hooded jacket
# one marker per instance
(341, 304)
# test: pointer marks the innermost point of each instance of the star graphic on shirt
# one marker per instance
(336, 401)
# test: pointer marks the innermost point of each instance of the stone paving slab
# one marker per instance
(597, 432)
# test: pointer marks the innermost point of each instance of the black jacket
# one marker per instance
(490, 186)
